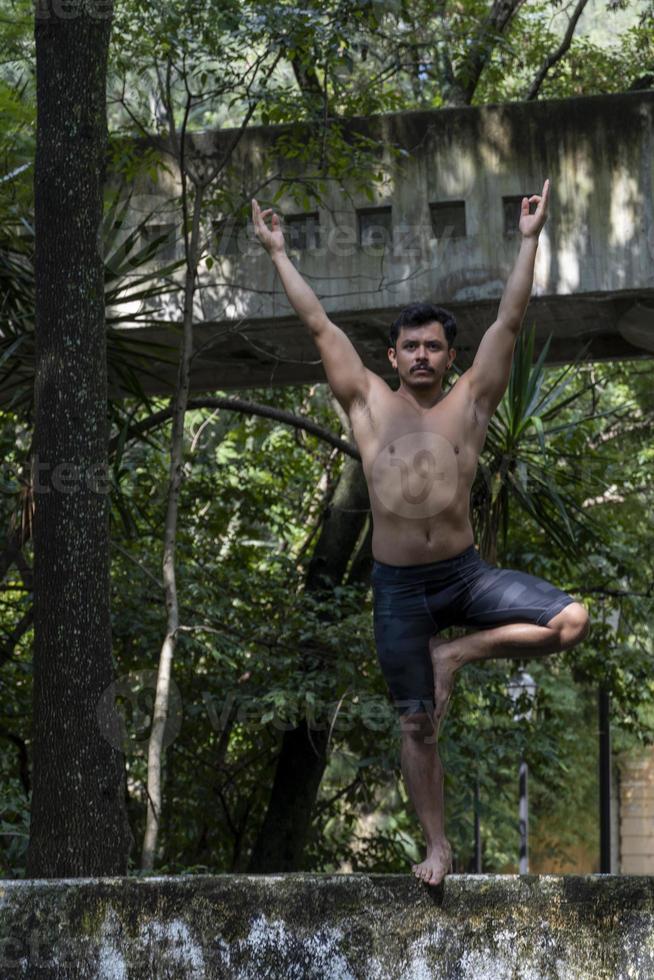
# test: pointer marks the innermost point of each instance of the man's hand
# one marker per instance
(272, 238)
(348, 378)
(531, 224)
(489, 374)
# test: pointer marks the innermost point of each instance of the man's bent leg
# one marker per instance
(562, 632)
(423, 776)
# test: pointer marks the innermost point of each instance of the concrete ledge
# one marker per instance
(299, 926)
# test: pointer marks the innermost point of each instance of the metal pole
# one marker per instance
(524, 818)
(477, 853)
(523, 683)
(604, 780)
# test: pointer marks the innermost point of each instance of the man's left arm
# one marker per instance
(488, 376)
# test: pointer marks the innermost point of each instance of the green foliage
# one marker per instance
(518, 464)
(251, 494)
(247, 620)
(129, 279)
(562, 489)
(17, 102)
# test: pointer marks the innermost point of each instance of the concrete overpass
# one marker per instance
(440, 226)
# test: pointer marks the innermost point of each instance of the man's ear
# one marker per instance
(452, 354)
(392, 357)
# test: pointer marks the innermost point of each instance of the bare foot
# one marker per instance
(445, 660)
(436, 865)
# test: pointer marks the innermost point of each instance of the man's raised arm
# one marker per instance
(489, 374)
(348, 378)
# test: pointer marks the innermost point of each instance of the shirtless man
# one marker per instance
(419, 448)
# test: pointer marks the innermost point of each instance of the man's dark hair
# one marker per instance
(417, 314)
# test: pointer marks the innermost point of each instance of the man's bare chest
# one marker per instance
(416, 463)
(388, 425)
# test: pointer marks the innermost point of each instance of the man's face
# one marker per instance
(421, 356)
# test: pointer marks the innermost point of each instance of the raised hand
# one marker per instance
(271, 238)
(531, 224)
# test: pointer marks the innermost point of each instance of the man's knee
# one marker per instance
(417, 726)
(572, 623)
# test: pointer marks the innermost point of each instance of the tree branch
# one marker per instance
(556, 56)
(451, 89)
(19, 630)
(307, 80)
(23, 759)
(467, 78)
(247, 408)
(637, 423)
(14, 543)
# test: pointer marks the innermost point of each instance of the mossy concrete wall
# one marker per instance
(329, 927)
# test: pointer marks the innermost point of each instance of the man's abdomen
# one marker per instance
(397, 541)
(419, 487)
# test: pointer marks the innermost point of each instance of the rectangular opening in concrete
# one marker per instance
(448, 219)
(302, 231)
(375, 227)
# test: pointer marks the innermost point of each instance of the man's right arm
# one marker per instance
(348, 377)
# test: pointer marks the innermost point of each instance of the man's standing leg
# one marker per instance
(423, 776)
(421, 765)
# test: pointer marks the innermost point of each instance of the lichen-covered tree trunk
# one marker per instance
(79, 824)
(284, 832)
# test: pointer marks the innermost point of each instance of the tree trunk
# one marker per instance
(79, 824)
(284, 833)
(156, 743)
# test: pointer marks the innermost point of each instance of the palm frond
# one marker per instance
(130, 278)
(518, 467)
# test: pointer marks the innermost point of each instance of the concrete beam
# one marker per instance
(328, 927)
(594, 280)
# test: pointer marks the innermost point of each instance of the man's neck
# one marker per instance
(423, 400)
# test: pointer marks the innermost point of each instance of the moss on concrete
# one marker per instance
(328, 926)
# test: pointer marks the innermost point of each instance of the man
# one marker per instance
(419, 449)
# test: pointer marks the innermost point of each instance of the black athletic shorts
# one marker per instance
(414, 602)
